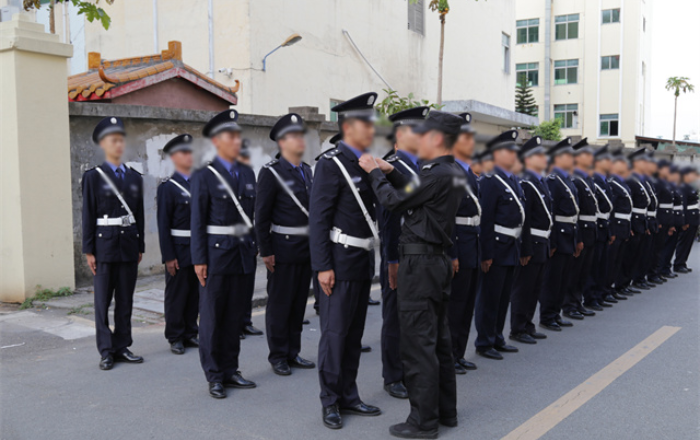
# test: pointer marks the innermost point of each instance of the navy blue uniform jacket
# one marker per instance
(564, 235)
(587, 205)
(690, 198)
(536, 192)
(174, 213)
(622, 204)
(499, 207)
(664, 193)
(466, 238)
(640, 200)
(604, 195)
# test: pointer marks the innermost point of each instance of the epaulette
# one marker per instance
(165, 179)
(391, 159)
(429, 166)
(134, 170)
(551, 176)
(329, 154)
(270, 163)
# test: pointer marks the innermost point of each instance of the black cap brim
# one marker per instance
(118, 129)
(466, 128)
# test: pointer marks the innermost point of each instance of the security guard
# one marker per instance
(645, 272)
(529, 275)
(244, 155)
(665, 216)
(691, 213)
(223, 252)
(482, 163)
(465, 252)
(282, 226)
(181, 286)
(502, 219)
(404, 158)
(564, 242)
(620, 224)
(113, 240)
(674, 179)
(587, 226)
(342, 239)
(597, 285)
(425, 272)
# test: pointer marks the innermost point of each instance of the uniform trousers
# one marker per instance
(581, 269)
(630, 261)
(392, 369)
(657, 253)
(527, 287)
(222, 305)
(426, 349)
(461, 309)
(491, 307)
(248, 288)
(596, 285)
(287, 293)
(342, 317)
(114, 280)
(667, 253)
(644, 258)
(685, 244)
(616, 257)
(181, 304)
(557, 276)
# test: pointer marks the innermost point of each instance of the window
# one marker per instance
(567, 114)
(415, 16)
(506, 53)
(528, 31)
(334, 115)
(611, 62)
(565, 72)
(609, 125)
(566, 27)
(529, 72)
(611, 16)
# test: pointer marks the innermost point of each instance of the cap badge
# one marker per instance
(294, 119)
(232, 114)
(468, 118)
(187, 138)
(113, 120)
(370, 100)
(539, 140)
(515, 134)
(425, 112)
(569, 141)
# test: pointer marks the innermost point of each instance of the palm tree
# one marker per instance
(678, 84)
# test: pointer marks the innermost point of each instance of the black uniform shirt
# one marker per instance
(174, 213)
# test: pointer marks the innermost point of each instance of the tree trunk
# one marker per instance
(52, 16)
(675, 110)
(442, 51)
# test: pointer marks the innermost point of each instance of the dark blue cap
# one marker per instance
(336, 138)
(447, 123)
(224, 121)
(639, 154)
(289, 123)
(482, 156)
(107, 126)
(182, 142)
(504, 140)
(603, 153)
(688, 170)
(563, 147)
(359, 107)
(466, 123)
(532, 146)
(663, 163)
(411, 117)
(582, 146)
(674, 168)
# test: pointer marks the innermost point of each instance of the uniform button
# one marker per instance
(99, 235)
(287, 237)
(562, 230)
(122, 206)
(216, 245)
(345, 246)
(137, 235)
(122, 232)
(187, 202)
(224, 195)
(496, 238)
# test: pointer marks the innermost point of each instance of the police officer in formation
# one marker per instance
(181, 284)
(282, 226)
(620, 226)
(691, 213)
(113, 240)
(404, 158)
(223, 252)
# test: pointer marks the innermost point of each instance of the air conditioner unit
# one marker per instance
(6, 12)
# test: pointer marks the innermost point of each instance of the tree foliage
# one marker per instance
(678, 84)
(89, 9)
(524, 101)
(549, 130)
(394, 103)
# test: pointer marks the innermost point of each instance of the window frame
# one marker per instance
(611, 15)
(333, 116)
(413, 8)
(571, 65)
(527, 70)
(607, 62)
(608, 120)
(570, 111)
(529, 24)
(567, 21)
(505, 45)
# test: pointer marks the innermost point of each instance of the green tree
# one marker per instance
(548, 130)
(524, 101)
(89, 9)
(678, 84)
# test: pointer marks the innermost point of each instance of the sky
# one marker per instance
(675, 52)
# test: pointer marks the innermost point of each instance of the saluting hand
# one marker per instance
(201, 271)
(327, 281)
(368, 163)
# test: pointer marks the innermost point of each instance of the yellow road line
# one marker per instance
(309, 302)
(551, 416)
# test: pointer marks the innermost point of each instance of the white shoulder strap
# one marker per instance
(515, 197)
(353, 188)
(405, 165)
(544, 205)
(468, 187)
(629, 197)
(607, 199)
(181, 187)
(571, 195)
(223, 181)
(644, 190)
(288, 190)
(595, 199)
(113, 187)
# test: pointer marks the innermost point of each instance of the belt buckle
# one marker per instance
(126, 221)
(371, 244)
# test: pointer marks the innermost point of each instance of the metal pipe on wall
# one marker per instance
(547, 59)
(155, 26)
(211, 38)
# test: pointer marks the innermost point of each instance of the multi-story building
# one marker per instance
(588, 64)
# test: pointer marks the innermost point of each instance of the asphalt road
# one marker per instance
(51, 388)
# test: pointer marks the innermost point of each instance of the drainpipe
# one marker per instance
(547, 59)
(211, 38)
(155, 26)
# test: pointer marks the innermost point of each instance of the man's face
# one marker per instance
(584, 161)
(228, 144)
(690, 178)
(407, 140)
(464, 145)
(564, 161)
(359, 133)
(477, 168)
(663, 172)
(620, 168)
(487, 165)
(604, 165)
(293, 143)
(182, 160)
(652, 168)
(536, 162)
(113, 145)
(674, 177)
(429, 142)
(505, 158)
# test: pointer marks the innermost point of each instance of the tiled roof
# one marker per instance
(109, 79)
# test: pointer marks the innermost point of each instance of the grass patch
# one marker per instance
(79, 310)
(45, 295)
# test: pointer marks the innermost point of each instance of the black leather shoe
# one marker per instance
(300, 362)
(648, 285)
(656, 280)
(459, 369)
(522, 337)
(681, 270)
(406, 430)
(281, 368)
(366, 349)
(619, 296)
(593, 306)
(490, 354)
(331, 417)
(630, 291)
(217, 390)
(506, 348)
(606, 304)
(450, 423)
(191, 342)
(563, 323)
(177, 347)
(373, 302)
(242, 336)
(107, 362)
(537, 335)
(586, 312)
(574, 314)
(670, 275)
(252, 331)
(610, 298)
(237, 381)
(306, 322)
(127, 356)
(553, 326)
(397, 389)
(466, 364)
(641, 286)
(362, 409)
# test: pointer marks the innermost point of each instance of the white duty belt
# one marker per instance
(623, 216)
(692, 207)
(651, 213)
(180, 233)
(474, 220)
(238, 230)
(665, 205)
(540, 233)
(572, 219)
(123, 221)
(290, 230)
(640, 211)
(588, 218)
(678, 207)
(511, 232)
(603, 216)
(337, 236)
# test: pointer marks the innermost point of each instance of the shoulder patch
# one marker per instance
(271, 163)
(429, 166)
(134, 170)
(551, 176)
(331, 154)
